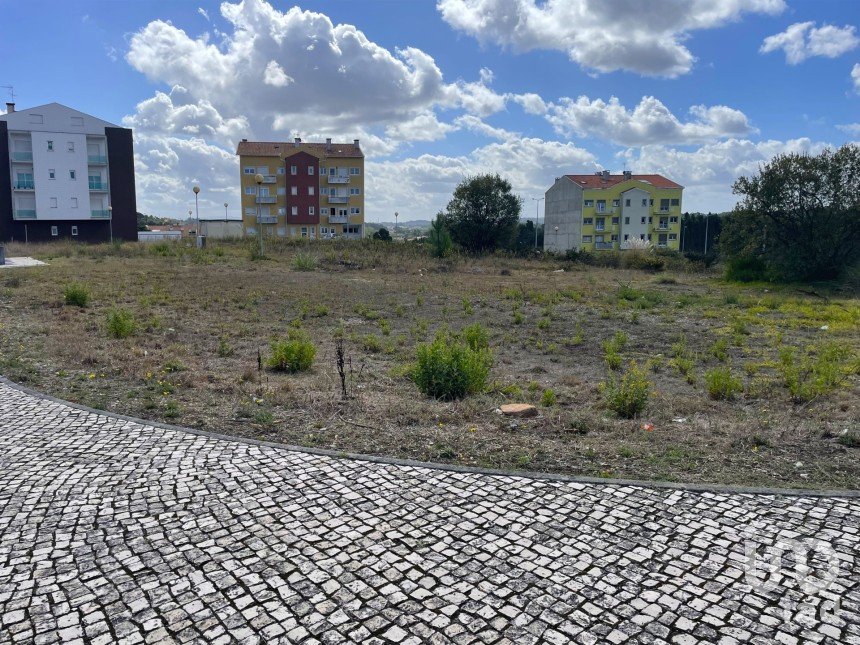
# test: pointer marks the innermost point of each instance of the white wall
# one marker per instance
(636, 211)
(563, 209)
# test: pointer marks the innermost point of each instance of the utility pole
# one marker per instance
(537, 216)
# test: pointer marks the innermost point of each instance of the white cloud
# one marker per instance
(276, 76)
(850, 128)
(203, 13)
(530, 102)
(649, 122)
(855, 76)
(804, 40)
(603, 35)
(708, 172)
(476, 125)
(424, 127)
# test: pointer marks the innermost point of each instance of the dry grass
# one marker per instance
(204, 321)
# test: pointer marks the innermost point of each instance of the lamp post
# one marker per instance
(537, 202)
(196, 190)
(110, 222)
(225, 216)
(396, 215)
(259, 179)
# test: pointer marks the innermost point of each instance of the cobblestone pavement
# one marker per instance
(114, 531)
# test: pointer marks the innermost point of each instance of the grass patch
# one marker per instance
(304, 262)
(294, 354)
(120, 323)
(450, 369)
(76, 294)
(628, 396)
(722, 385)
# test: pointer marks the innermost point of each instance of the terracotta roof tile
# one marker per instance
(598, 181)
(275, 148)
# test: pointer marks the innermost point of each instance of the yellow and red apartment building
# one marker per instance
(308, 189)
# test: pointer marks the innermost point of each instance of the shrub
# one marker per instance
(629, 396)
(722, 385)
(720, 349)
(448, 369)
(224, 348)
(476, 337)
(612, 349)
(304, 262)
(76, 294)
(295, 354)
(548, 398)
(745, 269)
(371, 343)
(646, 262)
(120, 323)
(817, 372)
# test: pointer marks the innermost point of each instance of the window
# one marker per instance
(355, 211)
(71, 146)
(651, 202)
(673, 236)
(322, 170)
(588, 221)
(249, 171)
(664, 204)
(249, 211)
(74, 203)
(650, 220)
(332, 171)
(74, 231)
(324, 190)
(586, 239)
(589, 203)
(616, 202)
(353, 171)
(601, 224)
(676, 202)
(52, 174)
(294, 190)
(641, 236)
(304, 231)
(355, 191)
(644, 203)
(626, 237)
(311, 210)
(649, 237)
(341, 212)
(614, 221)
(294, 210)
(294, 170)
(627, 219)
(310, 170)
(282, 211)
(598, 239)
(673, 220)
(643, 220)
(50, 146)
(72, 174)
(324, 211)
(281, 170)
(614, 238)
(627, 202)
(53, 202)
(310, 190)
(54, 231)
(249, 190)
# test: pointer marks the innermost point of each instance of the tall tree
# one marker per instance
(440, 238)
(800, 215)
(483, 213)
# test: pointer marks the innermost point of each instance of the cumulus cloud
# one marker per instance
(649, 122)
(424, 127)
(476, 125)
(850, 128)
(276, 76)
(203, 13)
(804, 40)
(601, 35)
(530, 102)
(708, 171)
(855, 76)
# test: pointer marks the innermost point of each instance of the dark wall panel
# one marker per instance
(6, 221)
(123, 197)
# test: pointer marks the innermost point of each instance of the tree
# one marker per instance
(440, 238)
(483, 214)
(525, 240)
(799, 216)
(382, 234)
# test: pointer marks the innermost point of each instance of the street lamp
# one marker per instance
(225, 215)
(196, 190)
(110, 222)
(396, 215)
(537, 202)
(259, 179)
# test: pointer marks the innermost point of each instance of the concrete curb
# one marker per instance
(393, 461)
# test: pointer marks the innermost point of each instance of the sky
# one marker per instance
(436, 90)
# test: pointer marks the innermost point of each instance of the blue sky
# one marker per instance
(439, 90)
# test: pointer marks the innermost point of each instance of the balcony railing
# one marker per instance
(23, 213)
(267, 219)
(338, 179)
(266, 199)
(270, 179)
(24, 185)
(97, 214)
(96, 159)
(98, 185)
(598, 227)
(338, 219)
(338, 199)
(603, 246)
(22, 156)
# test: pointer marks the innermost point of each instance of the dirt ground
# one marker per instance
(204, 319)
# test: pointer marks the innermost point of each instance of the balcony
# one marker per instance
(267, 219)
(25, 214)
(338, 219)
(266, 199)
(603, 246)
(100, 214)
(98, 185)
(338, 199)
(96, 159)
(338, 179)
(24, 185)
(270, 179)
(22, 156)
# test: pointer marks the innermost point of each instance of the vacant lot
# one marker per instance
(200, 322)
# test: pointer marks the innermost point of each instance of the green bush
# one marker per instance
(645, 261)
(746, 269)
(76, 294)
(120, 323)
(816, 372)
(629, 396)
(720, 349)
(304, 262)
(295, 354)
(476, 337)
(612, 349)
(548, 398)
(722, 385)
(449, 369)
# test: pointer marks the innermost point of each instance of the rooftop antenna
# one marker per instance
(11, 91)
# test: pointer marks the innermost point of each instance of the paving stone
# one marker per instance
(117, 531)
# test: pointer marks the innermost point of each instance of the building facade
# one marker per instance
(311, 190)
(66, 175)
(604, 211)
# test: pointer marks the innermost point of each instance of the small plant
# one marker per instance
(384, 327)
(173, 365)
(548, 398)
(720, 349)
(76, 294)
(476, 337)
(722, 385)
(304, 262)
(295, 354)
(578, 336)
(449, 369)
(468, 309)
(849, 439)
(224, 348)
(818, 371)
(264, 417)
(172, 410)
(543, 323)
(371, 343)
(120, 323)
(629, 396)
(518, 317)
(612, 349)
